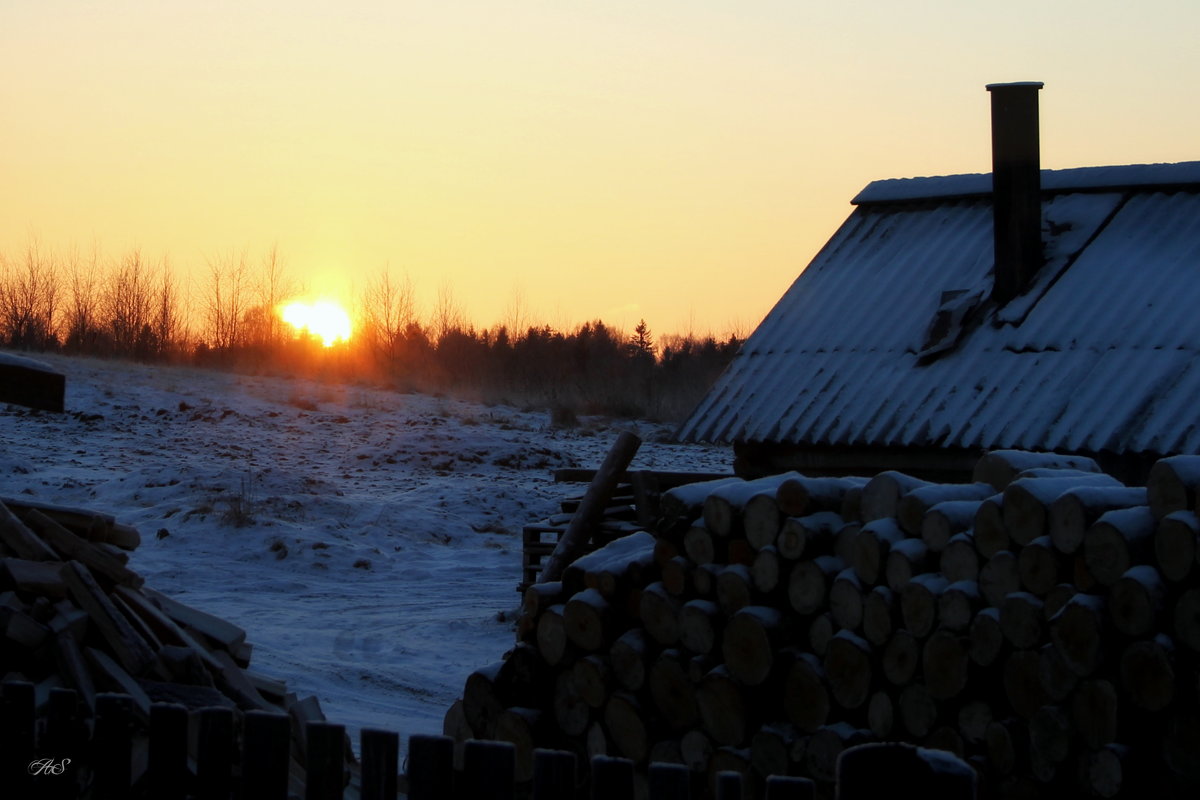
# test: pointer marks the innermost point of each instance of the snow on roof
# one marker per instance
(896, 190)
(1101, 353)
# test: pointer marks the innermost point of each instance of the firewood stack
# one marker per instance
(73, 615)
(1042, 622)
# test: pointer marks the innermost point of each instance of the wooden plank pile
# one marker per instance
(74, 616)
(1042, 622)
(539, 540)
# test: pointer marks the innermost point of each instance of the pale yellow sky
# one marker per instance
(678, 161)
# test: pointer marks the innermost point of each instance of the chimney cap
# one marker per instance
(991, 87)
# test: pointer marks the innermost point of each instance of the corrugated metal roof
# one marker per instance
(1101, 353)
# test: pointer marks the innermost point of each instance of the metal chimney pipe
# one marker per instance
(1016, 187)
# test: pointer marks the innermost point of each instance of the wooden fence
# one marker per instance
(211, 753)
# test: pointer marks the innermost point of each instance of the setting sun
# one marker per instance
(323, 319)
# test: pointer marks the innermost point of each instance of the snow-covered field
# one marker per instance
(368, 541)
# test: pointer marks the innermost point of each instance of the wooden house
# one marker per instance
(1053, 310)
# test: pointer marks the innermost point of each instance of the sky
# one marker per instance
(675, 161)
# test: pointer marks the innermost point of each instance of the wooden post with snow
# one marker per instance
(591, 508)
(30, 383)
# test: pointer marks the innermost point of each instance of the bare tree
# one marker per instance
(168, 324)
(274, 287)
(127, 306)
(10, 316)
(516, 313)
(82, 301)
(388, 309)
(447, 313)
(29, 300)
(226, 301)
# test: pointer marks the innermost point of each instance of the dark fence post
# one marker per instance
(61, 734)
(553, 775)
(17, 733)
(729, 785)
(612, 778)
(489, 770)
(62, 741)
(167, 770)
(214, 754)
(325, 773)
(781, 787)
(871, 771)
(380, 755)
(670, 782)
(112, 747)
(430, 767)
(265, 757)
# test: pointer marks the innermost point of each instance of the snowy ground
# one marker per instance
(368, 541)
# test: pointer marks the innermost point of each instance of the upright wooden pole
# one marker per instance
(729, 785)
(670, 782)
(611, 778)
(380, 756)
(268, 739)
(17, 727)
(325, 775)
(167, 770)
(553, 775)
(112, 747)
(214, 754)
(489, 769)
(430, 767)
(62, 741)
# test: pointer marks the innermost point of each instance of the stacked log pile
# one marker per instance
(1042, 622)
(73, 615)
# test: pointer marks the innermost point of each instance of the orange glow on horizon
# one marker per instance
(323, 319)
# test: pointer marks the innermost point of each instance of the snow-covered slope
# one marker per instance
(368, 541)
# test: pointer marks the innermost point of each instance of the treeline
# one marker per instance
(593, 369)
(137, 308)
(125, 308)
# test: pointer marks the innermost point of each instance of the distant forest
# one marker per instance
(137, 309)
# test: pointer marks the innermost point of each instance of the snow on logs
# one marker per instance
(72, 614)
(30, 383)
(1042, 622)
